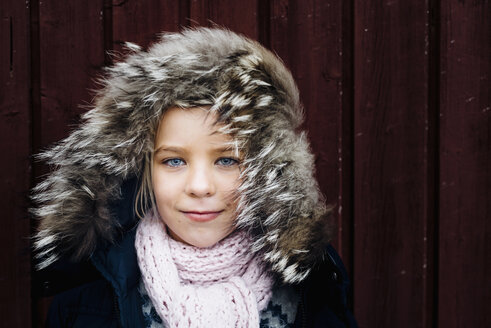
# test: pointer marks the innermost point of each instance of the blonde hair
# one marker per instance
(145, 199)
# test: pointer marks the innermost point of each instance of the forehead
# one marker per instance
(189, 126)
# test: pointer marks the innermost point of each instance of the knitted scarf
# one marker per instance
(220, 286)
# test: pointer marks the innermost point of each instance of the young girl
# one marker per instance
(187, 198)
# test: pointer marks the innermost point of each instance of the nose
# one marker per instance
(200, 182)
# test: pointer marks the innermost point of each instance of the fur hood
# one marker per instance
(257, 103)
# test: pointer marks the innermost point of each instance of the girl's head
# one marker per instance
(188, 109)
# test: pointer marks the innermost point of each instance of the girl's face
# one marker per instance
(195, 175)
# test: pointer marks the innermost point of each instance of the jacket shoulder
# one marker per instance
(326, 295)
(88, 305)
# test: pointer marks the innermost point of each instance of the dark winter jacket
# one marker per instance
(116, 302)
(86, 205)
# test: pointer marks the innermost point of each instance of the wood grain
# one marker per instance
(141, 22)
(392, 163)
(71, 56)
(239, 16)
(15, 123)
(465, 165)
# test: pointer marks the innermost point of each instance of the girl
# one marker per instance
(187, 198)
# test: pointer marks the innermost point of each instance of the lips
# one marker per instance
(202, 216)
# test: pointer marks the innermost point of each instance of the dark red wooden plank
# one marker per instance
(71, 55)
(239, 16)
(15, 307)
(308, 36)
(465, 161)
(142, 21)
(392, 162)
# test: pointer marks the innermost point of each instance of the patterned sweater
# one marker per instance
(280, 312)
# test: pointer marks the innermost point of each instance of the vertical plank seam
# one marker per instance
(433, 165)
(11, 44)
(34, 78)
(347, 122)
(263, 21)
(184, 13)
(108, 38)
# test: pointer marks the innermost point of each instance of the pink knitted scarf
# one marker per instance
(220, 286)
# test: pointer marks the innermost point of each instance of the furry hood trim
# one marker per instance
(257, 103)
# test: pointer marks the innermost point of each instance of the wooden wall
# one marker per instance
(397, 99)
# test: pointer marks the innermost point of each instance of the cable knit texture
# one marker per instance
(221, 286)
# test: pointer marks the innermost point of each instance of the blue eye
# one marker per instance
(227, 161)
(174, 162)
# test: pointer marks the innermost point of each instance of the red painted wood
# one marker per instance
(308, 36)
(15, 307)
(71, 55)
(239, 16)
(465, 160)
(142, 21)
(392, 162)
(377, 145)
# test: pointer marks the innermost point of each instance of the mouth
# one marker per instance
(202, 216)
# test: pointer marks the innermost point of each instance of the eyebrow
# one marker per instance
(181, 150)
(169, 149)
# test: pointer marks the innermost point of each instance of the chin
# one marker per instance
(204, 240)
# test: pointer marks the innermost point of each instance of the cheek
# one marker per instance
(229, 186)
(164, 189)
(230, 181)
